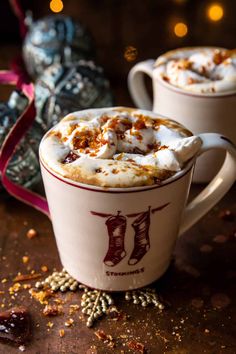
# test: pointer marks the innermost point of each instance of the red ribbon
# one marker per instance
(20, 14)
(13, 138)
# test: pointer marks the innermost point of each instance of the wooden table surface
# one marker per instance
(198, 289)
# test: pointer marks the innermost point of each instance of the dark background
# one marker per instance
(115, 24)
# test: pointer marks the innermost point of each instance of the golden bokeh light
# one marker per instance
(215, 12)
(56, 5)
(180, 2)
(130, 53)
(180, 29)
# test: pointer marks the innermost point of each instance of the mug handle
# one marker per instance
(12, 139)
(220, 184)
(136, 84)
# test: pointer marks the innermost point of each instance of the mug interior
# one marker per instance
(72, 182)
(190, 93)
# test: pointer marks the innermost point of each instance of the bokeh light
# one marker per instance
(215, 12)
(180, 2)
(56, 5)
(130, 53)
(180, 29)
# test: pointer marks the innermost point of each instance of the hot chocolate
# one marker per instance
(199, 69)
(117, 147)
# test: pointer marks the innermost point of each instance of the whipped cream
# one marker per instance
(200, 69)
(117, 147)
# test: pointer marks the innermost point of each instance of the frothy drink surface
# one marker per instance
(200, 69)
(117, 147)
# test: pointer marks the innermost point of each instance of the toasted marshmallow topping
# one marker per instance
(200, 69)
(117, 147)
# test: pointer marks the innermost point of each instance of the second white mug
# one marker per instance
(200, 112)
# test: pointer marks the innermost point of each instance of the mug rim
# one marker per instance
(190, 93)
(119, 190)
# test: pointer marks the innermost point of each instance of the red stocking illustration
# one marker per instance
(141, 238)
(116, 227)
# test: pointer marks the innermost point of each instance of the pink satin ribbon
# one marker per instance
(13, 138)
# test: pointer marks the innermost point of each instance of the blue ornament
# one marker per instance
(63, 89)
(56, 39)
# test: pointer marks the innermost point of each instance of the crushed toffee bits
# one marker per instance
(25, 259)
(31, 233)
(106, 338)
(26, 286)
(69, 322)
(41, 296)
(138, 347)
(50, 324)
(73, 309)
(52, 310)
(44, 268)
(61, 333)
(14, 289)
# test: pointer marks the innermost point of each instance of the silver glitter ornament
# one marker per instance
(64, 89)
(23, 168)
(55, 39)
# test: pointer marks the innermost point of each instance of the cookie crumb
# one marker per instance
(106, 338)
(73, 309)
(31, 233)
(50, 324)
(21, 348)
(52, 310)
(61, 333)
(69, 322)
(25, 259)
(44, 268)
(139, 347)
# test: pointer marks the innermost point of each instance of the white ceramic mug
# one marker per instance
(118, 238)
(122, 238)
(199, 112)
